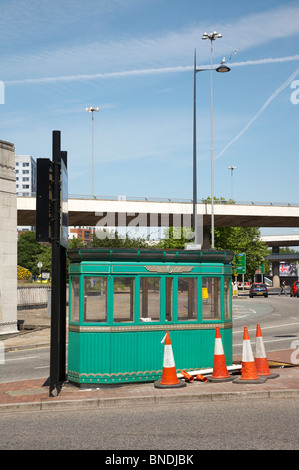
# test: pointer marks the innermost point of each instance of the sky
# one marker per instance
(134, 60)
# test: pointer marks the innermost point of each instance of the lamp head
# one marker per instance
(222, 68)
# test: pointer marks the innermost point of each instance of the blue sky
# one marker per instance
(134, 60)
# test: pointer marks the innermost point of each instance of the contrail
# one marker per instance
(265, 105)
(135, 73)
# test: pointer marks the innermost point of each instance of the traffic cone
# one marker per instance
(187, 377)
(261, 363)
(248, 371)
(169, 375)
(220, 373)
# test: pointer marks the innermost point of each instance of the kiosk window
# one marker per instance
(75, 293)
(211, 298)
(227, 298)
(123, 299)
(150, 299)
(95, 299)
(187, 298)
(168, 311)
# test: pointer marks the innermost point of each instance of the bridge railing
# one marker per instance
(171, 200)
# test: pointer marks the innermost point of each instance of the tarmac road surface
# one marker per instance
(256, 424)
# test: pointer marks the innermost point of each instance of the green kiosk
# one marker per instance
(122, 301)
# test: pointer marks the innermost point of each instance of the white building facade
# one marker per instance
(25, 175)
(25, 179)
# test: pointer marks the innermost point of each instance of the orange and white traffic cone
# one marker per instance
(169, 374)
(248, 371)
(220, 373)
(261, 363)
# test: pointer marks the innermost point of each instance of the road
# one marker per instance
(259, 424)
(25, 364)
(243, 424)
(278, 317)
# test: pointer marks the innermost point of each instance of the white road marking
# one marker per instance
(21, 358)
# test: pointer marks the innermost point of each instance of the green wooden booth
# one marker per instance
(123, 301)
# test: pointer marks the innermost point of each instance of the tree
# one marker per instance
(29, 252)
(75, 243)
(175, 238)
(243, 240)
(110, 239)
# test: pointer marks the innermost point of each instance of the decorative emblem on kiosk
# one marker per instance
(169, 269)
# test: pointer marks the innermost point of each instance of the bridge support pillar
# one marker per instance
(206, 238)
(275, 269)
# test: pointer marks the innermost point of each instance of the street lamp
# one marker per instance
(92, 110)
(232, 168)
(221, 69)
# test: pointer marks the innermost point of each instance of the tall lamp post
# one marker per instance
(232, 168)
(221, 69)
(92, 110)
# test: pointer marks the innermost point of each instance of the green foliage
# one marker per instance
(75, 243)
(243, 240)
(30, 253)
(218, 200)
(109, 239)
(175, 238)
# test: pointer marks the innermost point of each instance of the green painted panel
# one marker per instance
(138, 356)
(73, 354)
(95, 269)
(127, 269)
(74, 268)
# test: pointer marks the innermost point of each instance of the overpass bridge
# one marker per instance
(126, 212)
(281, 240)
(122, 212)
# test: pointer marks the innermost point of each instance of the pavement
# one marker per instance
(33, 395)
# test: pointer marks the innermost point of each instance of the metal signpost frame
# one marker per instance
(51, 226)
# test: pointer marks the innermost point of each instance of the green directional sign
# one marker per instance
(240, 264)
(260, 269)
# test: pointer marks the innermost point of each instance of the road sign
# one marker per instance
(260, 269)
(43, 200)
(64, 225)
(240, 264)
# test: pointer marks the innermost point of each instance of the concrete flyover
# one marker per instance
(155, 213)
(281, 240)
(121, 212)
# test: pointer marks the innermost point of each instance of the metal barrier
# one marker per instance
(34, 297)
(29, 297)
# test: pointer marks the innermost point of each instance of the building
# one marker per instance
(25, 180)
(83, 233)
(25, 175)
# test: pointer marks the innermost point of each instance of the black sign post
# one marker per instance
(51, 227)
